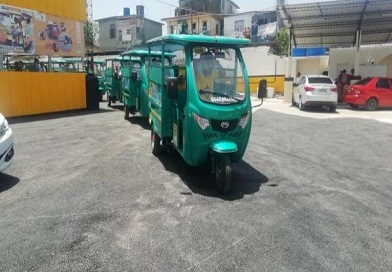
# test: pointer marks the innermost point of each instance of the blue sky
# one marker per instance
(157, 9)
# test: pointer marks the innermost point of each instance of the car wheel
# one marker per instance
(300, 105)
(354, 106)
(332, 108)
(371, 104)
(292, 101)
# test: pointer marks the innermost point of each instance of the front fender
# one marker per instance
(224, 146)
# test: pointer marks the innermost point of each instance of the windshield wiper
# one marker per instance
(220, 94)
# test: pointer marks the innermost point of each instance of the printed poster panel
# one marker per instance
(29, 32)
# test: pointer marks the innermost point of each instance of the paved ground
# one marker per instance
(85, 194)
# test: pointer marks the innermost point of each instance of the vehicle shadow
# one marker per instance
(55, 115)
(320, 109)
(7, 182)
(246, 180)
(140, 121)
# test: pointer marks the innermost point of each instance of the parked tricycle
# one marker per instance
(203, 111)
(113, 79)
(134, 82)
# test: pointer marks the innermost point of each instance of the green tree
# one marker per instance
(88, 36)
(281, 44)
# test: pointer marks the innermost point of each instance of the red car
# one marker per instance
(370, 92)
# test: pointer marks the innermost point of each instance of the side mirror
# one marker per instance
(172, 87)
(134, 77)
(262, 92)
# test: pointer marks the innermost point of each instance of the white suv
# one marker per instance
(315, 91)
(6, 144)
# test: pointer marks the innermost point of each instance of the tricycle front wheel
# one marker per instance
(223, 172)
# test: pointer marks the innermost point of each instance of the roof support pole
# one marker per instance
(357, 49)
(1, 61)
(50, 67)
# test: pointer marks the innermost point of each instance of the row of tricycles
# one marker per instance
(194, 90)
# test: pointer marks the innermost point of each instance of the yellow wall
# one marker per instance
(277, 82)
(72, 9)
(27, 93)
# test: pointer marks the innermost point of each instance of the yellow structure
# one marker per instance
(72, 9)
(27, 93)
(276, 82)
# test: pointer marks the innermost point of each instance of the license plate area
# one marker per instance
(322, 91)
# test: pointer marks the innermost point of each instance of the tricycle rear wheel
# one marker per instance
(155, 142)
(126, 112)
(223, 172)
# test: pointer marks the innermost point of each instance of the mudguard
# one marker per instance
(224, 146)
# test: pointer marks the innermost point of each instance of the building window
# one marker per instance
(239, 26)
(217, 29)
(171, 29)
(112, 31)
(193, 28)
(129, 31)
(120, 35)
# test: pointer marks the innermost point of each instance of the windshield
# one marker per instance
(218, 76)
(320, 80)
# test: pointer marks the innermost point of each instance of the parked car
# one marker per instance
(370, 92)
(6, 144)
(315, 90)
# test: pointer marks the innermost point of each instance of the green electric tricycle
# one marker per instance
(204, 110)
(134, 82)
(113, 78)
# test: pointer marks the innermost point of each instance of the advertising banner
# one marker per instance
(25, 31)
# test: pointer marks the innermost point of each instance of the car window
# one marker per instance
(383, 83)
(320, 80)
(364, 81)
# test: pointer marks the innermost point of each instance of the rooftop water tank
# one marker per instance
(140, 10)
(127, 12)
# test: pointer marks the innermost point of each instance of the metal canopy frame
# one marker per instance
(337, 23)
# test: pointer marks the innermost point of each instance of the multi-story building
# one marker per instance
(260, 27)
(118, 33)
(200, 17)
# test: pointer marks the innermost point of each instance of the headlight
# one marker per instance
(3, 128)
(202, 122)
(244, 120)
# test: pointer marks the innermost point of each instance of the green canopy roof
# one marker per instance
(173, 42)
(144, 52)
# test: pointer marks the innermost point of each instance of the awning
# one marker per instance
(336, 23)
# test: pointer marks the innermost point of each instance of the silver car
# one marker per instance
(315, 90)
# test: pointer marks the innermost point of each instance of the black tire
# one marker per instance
(223, 173)
(126, 112)
(300, 105)
(371, 104)
(155, 142)
(332, 108)
(354, 106)
(292, 101)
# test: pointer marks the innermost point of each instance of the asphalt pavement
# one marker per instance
(84, 193)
